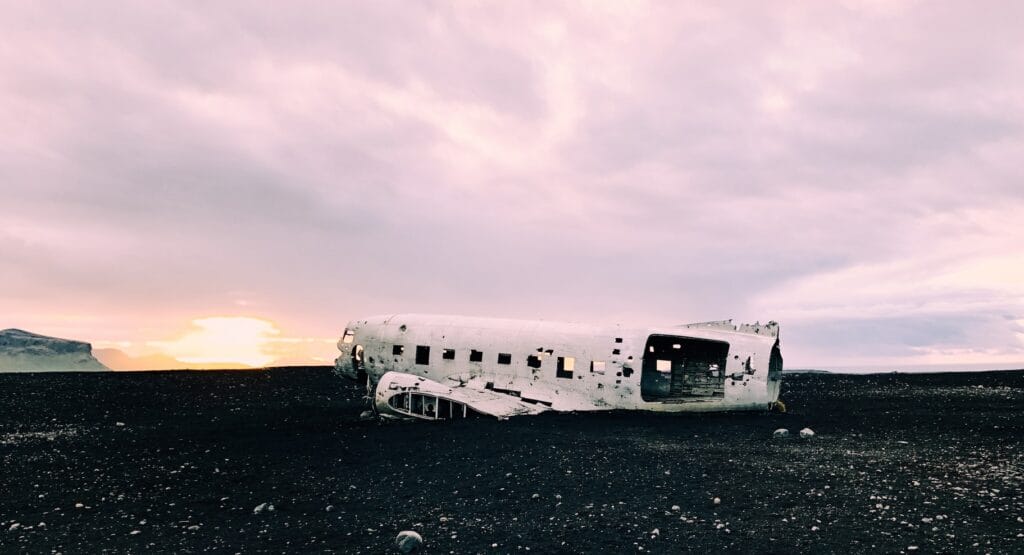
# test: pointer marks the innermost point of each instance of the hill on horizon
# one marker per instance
(23, 351)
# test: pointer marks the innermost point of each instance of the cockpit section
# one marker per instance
(351, 363)
(677, 369)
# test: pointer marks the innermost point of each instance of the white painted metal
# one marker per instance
(383, 351)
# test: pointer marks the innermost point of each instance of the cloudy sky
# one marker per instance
(174, 175)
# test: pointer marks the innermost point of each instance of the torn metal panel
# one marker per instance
(426, 367)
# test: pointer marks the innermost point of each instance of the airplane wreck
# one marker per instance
(447, 367)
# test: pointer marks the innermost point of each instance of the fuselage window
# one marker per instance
(533, 361)
(398, 350)
(422, 354)
(448, 354)
(348, 337)
(476, 356)
(504, 358)
(663, 365)
(565, 367)
(597, 366)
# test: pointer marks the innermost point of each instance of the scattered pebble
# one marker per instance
(408, 541)
(806, 433)
(268, 507)
(780, 433)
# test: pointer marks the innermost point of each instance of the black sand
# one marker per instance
(930, 461)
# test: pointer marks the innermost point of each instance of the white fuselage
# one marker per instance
(574, 367)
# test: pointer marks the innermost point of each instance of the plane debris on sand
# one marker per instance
(445, 367)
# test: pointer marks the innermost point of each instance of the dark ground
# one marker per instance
(932, 461)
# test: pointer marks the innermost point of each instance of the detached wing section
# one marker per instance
(404, 396)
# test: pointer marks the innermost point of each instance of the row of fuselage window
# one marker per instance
(565, 367)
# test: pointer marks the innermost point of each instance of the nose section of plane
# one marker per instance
(344, 365)
(349, 363)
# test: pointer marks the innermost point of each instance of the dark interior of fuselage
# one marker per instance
(678, 369)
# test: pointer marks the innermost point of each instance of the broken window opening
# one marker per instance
(348, 337)
(616, 352)
(398, 350)
(683, 368)
(618, 340)
(566, 365)
(597, 366)
(533, 361)
(476, 356)
(448, 354)
(422, 354)
(504, 358)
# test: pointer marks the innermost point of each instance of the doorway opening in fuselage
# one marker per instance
(683, 368)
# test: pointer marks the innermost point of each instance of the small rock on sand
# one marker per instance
(268, 507)
(408, 542)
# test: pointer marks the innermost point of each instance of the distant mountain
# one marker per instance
(22, 351)
(117, 360)
(804, 371)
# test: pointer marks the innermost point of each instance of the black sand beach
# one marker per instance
(144, 462)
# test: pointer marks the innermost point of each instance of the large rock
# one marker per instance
(21, 351)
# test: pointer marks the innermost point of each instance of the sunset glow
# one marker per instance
(223, 339)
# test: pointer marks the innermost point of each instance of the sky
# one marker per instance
(234, 181)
